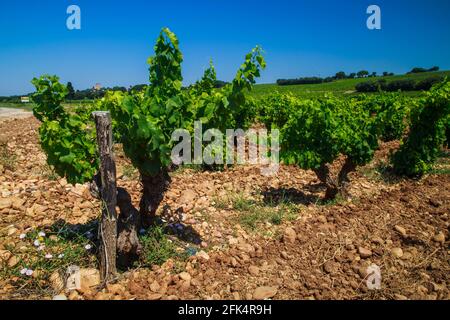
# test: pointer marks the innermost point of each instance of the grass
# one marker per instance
(253, 215)
(29, 106)
(22, 106)
(157, 248)
(130, 171)
(66, 247)
(49, 173)
(7, 158)
(442, 165)
(340, 87)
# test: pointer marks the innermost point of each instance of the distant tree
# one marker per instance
(71, 91)
(352, 75)
(417, 70)
(433, 69)
(362, 74)
(373, 74)
(220, 84)
(385, 74)
(340, 75)
(123, 89)
(138, 87)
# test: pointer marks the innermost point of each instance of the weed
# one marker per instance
(252, 213)
(157, 247)
(43, 254)
(129, 171)
(7, 158)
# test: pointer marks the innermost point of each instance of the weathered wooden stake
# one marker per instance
(108, 194)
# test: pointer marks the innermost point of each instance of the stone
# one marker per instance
(73, 295)
(440, 237)
(115, 288)
(202, 254)
(17, 203)
(185, 285)
(13, 261)
(262, 293)
(289, 235)
(397, 252)
(5, 203)
(401, 230)
(438, 287)
(187, 196)
(5, 255)
(102, 296)
(253, 270)
(422, 289)
(364, 252)
(400, 297)
(11, 231)
(185, 276)
(331, 267)
(57, 282)
(60, 297)
(284, 255)
(377, 240)
(154, 296)
(89, 278)
(363, 271)
(245, 247)
(154, 286)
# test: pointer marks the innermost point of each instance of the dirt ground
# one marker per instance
(8, 113)
(304, 250)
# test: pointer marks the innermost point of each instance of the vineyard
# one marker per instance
(363, 180)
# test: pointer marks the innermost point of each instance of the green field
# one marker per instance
(340, 87)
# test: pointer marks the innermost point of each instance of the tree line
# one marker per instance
(398, 85)
(341, 75)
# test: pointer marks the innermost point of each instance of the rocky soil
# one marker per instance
(314, 251)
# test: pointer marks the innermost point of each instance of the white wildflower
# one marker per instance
(61, 255)
(23, 271)
(29, 272)
(48, 256)
(37, 243)
(41, 234)
(88, 247)
(22, 236)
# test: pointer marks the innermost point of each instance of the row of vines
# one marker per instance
(314, 132)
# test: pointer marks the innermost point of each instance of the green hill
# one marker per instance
(339, 87)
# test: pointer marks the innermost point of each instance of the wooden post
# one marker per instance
(108, 194)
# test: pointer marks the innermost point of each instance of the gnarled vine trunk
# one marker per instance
(153, 188)
(343, 179)
(128, 245)
(335, 186)
(331, 185)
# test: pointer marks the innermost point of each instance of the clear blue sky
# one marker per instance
(300, 38)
